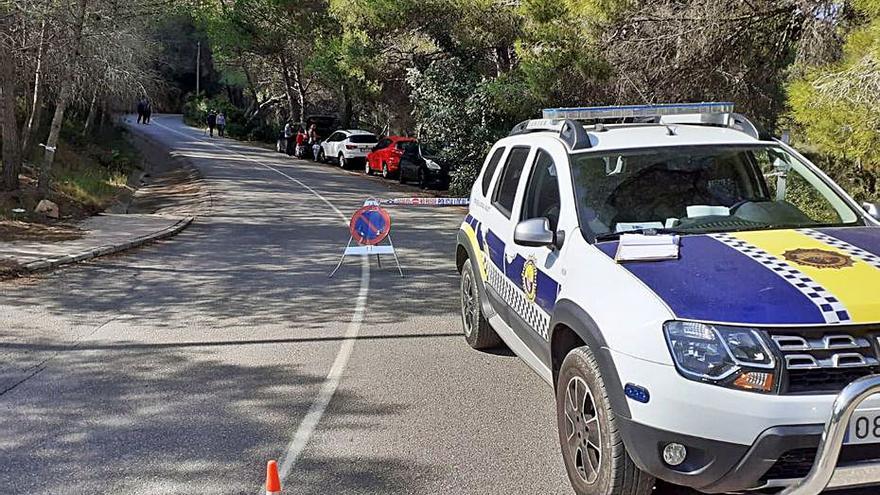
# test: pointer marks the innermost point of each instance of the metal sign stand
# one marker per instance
(369, 249)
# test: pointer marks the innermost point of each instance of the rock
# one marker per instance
(48, 208)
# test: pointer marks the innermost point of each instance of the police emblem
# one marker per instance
(530, 279)
(818, 258)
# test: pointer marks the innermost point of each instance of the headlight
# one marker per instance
(729, 356)
(431, 164)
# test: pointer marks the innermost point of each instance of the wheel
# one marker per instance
(477, 331)
(592, 449)
(423, 181)
(385, 173)
(367, 169)
(342, 162)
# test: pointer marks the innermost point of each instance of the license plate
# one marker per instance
(864, 427)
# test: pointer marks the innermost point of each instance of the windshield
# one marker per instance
(702, 189)
(362, 138)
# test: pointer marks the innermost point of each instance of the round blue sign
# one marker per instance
(370, 225)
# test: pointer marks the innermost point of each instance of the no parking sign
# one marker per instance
(370, 225)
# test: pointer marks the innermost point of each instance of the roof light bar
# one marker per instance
(620, 112)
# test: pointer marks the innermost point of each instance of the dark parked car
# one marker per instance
(418, 164)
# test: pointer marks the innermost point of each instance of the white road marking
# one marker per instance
(316, 411)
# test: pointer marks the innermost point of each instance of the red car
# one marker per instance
(385, 157)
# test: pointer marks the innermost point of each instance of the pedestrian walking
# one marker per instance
(140, 110)
(211, 120)
(301, 142)
(148, 110)
(221, 124)
(315, 141)
(286, 146)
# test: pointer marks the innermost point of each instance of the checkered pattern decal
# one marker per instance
(530, 312)
(854, 251)
(831, 308)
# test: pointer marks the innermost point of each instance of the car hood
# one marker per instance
(773, 277)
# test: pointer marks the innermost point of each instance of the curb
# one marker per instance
(48, 264)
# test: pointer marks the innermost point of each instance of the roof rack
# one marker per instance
(563, 120)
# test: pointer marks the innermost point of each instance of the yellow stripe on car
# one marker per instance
(848, 278)
(472, 236)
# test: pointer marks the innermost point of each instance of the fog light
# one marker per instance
(674, 454)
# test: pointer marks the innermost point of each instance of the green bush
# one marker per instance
(453, 111)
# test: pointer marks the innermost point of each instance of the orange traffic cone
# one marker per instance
(273, 483)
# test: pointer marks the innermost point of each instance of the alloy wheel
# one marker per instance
(384, 170)
(342, 162)
(583, 432)
(469, 305)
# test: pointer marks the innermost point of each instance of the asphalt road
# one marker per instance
(182, 367)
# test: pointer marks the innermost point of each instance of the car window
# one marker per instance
(505, 192)
(383, 144)
(409, 147)
(542, 191)
(362, 138)
(490, 170)
(336, 136)
(702, 189)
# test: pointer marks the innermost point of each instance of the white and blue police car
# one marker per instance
(702, 298)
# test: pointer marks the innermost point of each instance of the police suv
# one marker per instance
(702, 298)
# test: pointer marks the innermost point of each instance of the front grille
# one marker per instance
(797, 463)
(820, 361)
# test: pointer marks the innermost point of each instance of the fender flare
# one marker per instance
(569, 315)
(464, 243)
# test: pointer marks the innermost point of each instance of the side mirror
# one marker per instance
(534, 232)
(873, 209)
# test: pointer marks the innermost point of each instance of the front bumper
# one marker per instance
(796, 458)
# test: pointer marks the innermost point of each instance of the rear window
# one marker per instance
(490, 170)
(362, 138)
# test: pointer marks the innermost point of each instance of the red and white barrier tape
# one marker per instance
(425, 202)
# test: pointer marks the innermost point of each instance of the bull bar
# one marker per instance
(825, 474)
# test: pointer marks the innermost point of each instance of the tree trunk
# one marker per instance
(32, 124)
(301, 95)
(288, 86)
(52, 140)
(8, 124)
(61, 104)
(93, 109)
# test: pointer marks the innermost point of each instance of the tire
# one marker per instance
(477, 331)
(342, 163)
(367, 169)
(321, 158)
(593, 469)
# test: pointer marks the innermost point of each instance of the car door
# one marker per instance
(499, 223)
(331, 146)
(375, 158)
(537, 271)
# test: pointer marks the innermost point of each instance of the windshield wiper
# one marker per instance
(610, 236)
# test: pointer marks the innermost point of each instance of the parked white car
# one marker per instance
(702, 299)
(346, 145)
